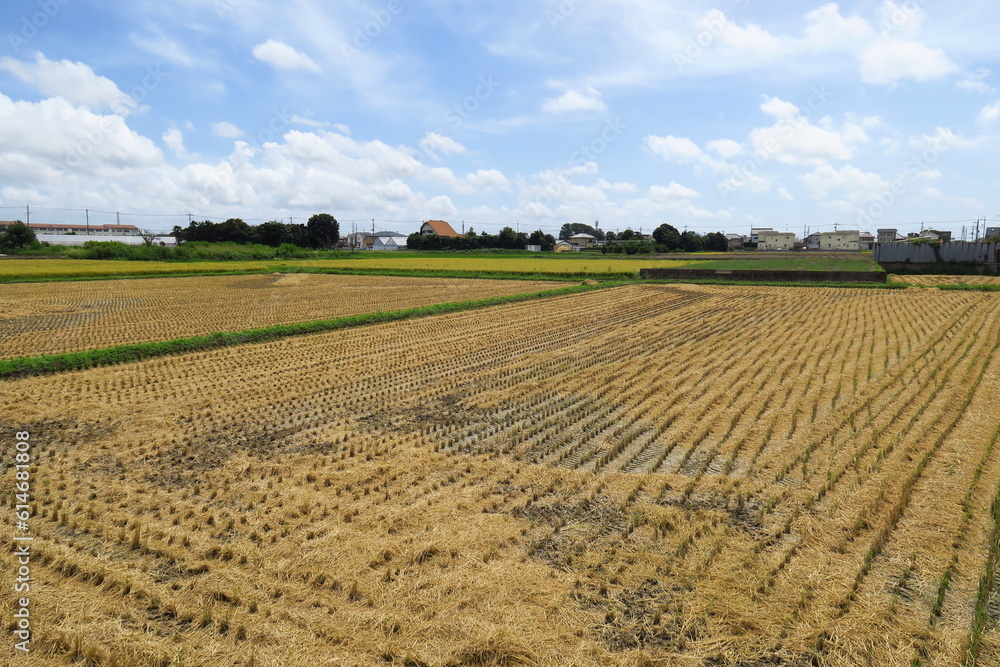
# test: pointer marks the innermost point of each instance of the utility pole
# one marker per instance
(27, 215)
(88, 221)
(189, 218)
(118, 218)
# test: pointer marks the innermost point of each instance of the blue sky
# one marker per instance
(715, 116)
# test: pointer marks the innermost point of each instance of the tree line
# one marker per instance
(506, 239)
(322, 231)
(666, 238)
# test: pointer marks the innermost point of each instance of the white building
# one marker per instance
(844, 240)
(772, 240)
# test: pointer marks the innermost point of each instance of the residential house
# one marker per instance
(887, 235)
(772, 240)
(934, 235)
(565, 246)
(755, 233)
(583, 241)
(356, 240)
(439, 228)
(735, 241)
(866, 242)
(813, 241)
(844, 240)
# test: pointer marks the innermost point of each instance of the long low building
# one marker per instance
(80, 239)
(93, 230)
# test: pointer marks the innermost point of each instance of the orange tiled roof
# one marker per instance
(442, 228)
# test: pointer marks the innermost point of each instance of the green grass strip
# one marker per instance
(123, 354)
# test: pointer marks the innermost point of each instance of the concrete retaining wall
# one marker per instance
(947, 258)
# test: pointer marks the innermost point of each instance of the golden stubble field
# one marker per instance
(49, 318)
(684, 475)
(946, 280)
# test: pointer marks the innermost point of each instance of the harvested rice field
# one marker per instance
(946, 280)
(49, 318)
(568, 265)
(650, 474)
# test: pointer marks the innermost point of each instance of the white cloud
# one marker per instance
(974, 82)
(438, 143)
(51, 140)
(990, 112)
(75, 82)
(616, 187)
(970, 203)
(311, 122)
(674, 149)
(726, 148)
(160, 45)
(794, 140)
(970, 86)
(174, 139)
(780, 109)
(282, 56)
(227, 130)
(784, 194)
(672, 192)
(943, 139)
(892, 60)
(751, 42)
(588, 99)
(859, 187)
(489, 180)
(827, 30)
(906, 18)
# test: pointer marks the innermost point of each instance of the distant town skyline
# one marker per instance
(715, 116)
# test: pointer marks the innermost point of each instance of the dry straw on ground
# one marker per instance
(49, 318)
(644, 475)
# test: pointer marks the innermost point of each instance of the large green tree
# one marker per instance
(667, 235)
(17, 235)
(715, 242)
(234, 230)
(691, 242)
(540, 238)
(574, 228)
(270, 233)
(324, 230)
